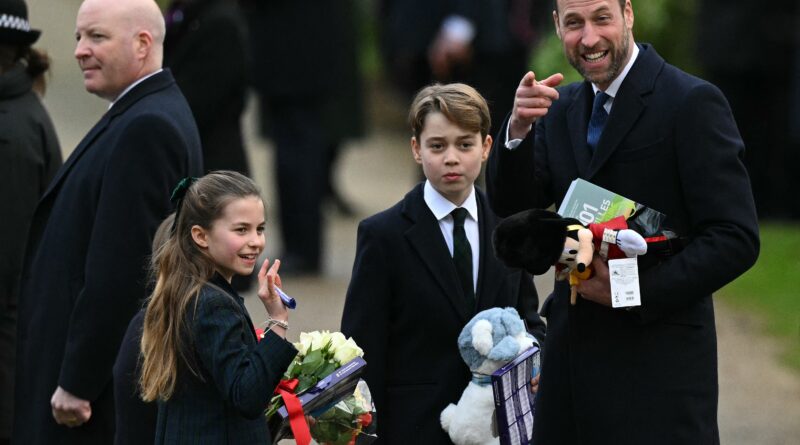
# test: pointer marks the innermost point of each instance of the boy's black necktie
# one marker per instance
(598, 120)
(462, 255)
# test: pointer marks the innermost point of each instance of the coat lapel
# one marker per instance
(426, 238)
(577, 121)
(629, 104)
(490, 273)
(86, 142)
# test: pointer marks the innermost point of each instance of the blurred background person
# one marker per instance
(305, 74)
(484, 43)
(29, 158)
(205, 47)
(735, 61)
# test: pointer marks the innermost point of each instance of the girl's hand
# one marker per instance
(267, 280)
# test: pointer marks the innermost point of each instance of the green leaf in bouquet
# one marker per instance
(331, 432)
(294, 369)
(313, 360)
(352, 406)
(313, 363)
(305, 381)
(327, 369)
(323, 430)
(274, 403)
(345, 436)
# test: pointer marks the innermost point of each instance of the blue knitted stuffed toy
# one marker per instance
(491, 339)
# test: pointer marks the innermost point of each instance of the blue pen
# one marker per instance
(287, 300)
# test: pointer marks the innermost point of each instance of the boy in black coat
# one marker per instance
(419, 275)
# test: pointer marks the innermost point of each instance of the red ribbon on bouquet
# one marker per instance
(297, 418)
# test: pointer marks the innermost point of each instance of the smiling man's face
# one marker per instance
(597, 36)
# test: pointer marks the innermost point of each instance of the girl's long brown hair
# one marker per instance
(182, 268)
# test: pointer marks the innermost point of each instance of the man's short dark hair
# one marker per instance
(621, 5)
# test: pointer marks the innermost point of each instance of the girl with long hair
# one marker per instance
(202, 362)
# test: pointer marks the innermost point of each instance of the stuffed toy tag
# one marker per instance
(624, 276)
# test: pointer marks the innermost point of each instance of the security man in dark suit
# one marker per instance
(84, 272)
(665, 139)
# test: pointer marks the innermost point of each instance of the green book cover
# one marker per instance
(590, 203)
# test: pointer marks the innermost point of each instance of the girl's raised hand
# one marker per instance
(268, 278)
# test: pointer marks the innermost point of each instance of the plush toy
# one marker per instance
(491, 339)
(537, 239)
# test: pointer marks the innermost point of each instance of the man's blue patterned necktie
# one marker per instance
(598, 120)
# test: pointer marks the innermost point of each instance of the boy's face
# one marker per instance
(450, 156)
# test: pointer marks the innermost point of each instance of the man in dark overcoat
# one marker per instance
(668, 140)
(84, 272)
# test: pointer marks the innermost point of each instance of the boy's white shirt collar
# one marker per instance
(441, 206)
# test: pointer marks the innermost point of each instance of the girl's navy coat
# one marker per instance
(224, 402)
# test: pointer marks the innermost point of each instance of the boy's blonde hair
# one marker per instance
(460, 104)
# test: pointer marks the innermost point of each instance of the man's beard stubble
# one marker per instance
(617, 54)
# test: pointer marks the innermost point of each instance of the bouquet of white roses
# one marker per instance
(322, 382)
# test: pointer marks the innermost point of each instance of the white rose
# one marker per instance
(337, 340)
(320, 339)
(348, 351)
(305, 343)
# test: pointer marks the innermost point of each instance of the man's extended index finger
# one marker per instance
(553, 81)
(528, 79)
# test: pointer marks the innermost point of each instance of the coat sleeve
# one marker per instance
(514, 180)
(724, 239)
(148, 158)
(366, 309)
(244, 374)
(528, 306)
